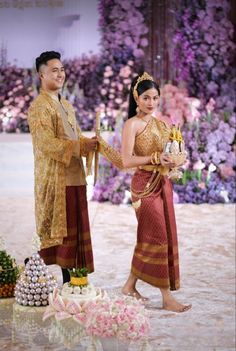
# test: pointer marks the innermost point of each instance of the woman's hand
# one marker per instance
(166, 161)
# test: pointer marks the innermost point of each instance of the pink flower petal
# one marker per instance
(62, 315)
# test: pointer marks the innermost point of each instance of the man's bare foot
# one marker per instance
(175, 306)
(133, 293)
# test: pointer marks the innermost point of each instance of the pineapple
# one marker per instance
(8, 275)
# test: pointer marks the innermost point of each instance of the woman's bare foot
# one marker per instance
(133, 292)
(173, 305)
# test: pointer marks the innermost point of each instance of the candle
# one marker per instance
(98, 121)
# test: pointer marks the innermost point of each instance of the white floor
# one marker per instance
(207, 258)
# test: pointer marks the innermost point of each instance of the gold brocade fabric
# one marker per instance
(110, 153)
(52, 155)
(75, 174)
(152, 138)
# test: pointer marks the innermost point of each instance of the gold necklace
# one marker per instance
(142, 118)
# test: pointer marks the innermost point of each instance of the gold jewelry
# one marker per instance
(137, 110)
(150, 186)
(155, 158)
(142, 119)
(152, 158)
(144, 76)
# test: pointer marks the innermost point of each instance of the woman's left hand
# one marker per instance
(166, 161)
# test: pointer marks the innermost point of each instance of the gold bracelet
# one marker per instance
(154, 158)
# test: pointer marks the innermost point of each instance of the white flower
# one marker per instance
(211, 168)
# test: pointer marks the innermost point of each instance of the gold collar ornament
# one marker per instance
(144, 76)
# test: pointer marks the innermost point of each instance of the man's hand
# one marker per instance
(166, 161)
(91, 144)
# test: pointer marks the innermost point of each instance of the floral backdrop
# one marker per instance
(201, 99)
(204, 53)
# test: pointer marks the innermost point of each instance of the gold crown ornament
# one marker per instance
(144, 76)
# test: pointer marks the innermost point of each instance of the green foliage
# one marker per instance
(8, 269)
(78, 272)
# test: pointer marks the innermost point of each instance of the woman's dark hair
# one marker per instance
(141, 88)
(45, 57)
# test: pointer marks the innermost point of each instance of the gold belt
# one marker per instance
(150, 168)
(157, 172)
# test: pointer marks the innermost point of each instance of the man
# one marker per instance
(61, 211)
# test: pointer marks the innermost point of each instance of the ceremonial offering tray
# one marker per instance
(175, 149)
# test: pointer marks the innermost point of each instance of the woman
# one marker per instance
(155, 258)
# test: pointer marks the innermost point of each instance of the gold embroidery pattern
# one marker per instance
(51, 156)
(152, 139)
(110, 153)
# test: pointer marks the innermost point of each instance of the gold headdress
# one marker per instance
(144, 76)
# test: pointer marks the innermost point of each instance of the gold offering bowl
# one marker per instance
(79, 281)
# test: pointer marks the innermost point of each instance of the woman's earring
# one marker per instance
(137, 110)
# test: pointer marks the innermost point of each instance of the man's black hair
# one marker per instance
(45, 57)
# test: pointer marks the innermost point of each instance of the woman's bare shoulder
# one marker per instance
(131, 122)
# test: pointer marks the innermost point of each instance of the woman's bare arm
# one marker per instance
(128, 139)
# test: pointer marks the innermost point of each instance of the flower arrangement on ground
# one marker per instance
(123, 317)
